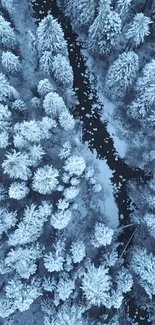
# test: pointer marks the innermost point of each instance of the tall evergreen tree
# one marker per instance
(138, 29)
(83, 13)
(51, 37)
(121, 75)
(103, 33)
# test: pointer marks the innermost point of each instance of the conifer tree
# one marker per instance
(27, 265)
(139, 29)
(18, 191)
(83, 13)
(7, 35)
(60, 219)
(53, 104)
(62, 71)
(31, 226)
(121, 75)
(8, 5)
(75, 165)
(11, 63)
(143, 264)
(54, 260)
(145, 89)
(16, 165)
(7, 220)
(103, 33)
(96, 285)
(51, 37)
(45, 179)
(22, 294)
(123, 7)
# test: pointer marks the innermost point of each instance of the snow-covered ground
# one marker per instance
(109, 205)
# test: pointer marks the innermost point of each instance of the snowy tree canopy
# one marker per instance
(121, 75)
(75, 165)
(123, 7)
(44, 87)
(96, 285)
(65, 288)
(21, 294)
(7, 35)
(53, 104)
(8, 5)
(16, 165)
(62, 71)
(31, 226)
(54, 260)
(66, 120)
(143, 264)
(11, 63)
(7, 220)
(78, 251)
(103, 235)
(25, 266)
(51, 37)
(45, 179)
(139, 29)
(18, 190)
(60, 219)
(104, 32)
(83, 13)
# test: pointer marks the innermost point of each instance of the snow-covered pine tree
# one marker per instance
(45, 63)
(124, 280)
(18, 191)
(145, 89)
(44, 87)
(121, 75)
(96, 285)
(53, 104)
(62, 71)
(8, 38)
(103, 33)
(31, 226)
(72, 314)
(54, 260)
(143, 265)
(60, 219)
(65, 288)
(22, 294)
(8, 220)
(6, 91)
(66, 120)
(16, 165)
(78, 251)
(26, 265)
(138, 29)
(45, 179)
(29, 130)
(36, 154)
(83, 13)
(102, 236)
(65, 151)
(8, 5)
(11, 63)
(123, 7)
(75, 165)
(51, 37)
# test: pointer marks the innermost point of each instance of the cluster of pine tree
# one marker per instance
(121, 33)
(57, 249)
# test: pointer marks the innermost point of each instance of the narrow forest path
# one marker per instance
(94, 130)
